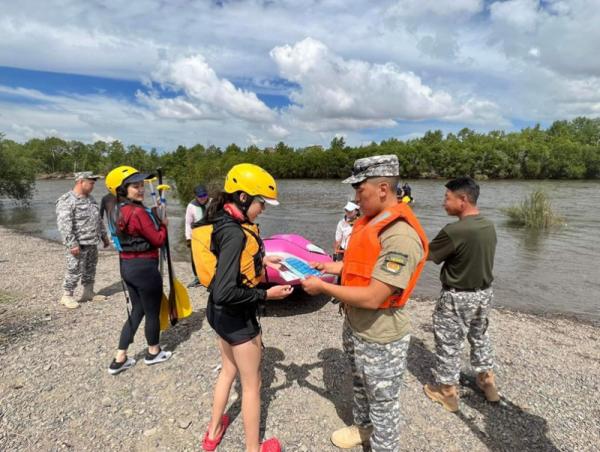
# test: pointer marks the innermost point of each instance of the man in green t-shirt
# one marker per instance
(381, 265)
(467, 249)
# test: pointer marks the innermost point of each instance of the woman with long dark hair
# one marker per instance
(230, 261)
(138, 235)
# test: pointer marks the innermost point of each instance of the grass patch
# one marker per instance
(534, 212)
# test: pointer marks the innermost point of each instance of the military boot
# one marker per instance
(88, 293)
(447, 395)
(352, 436)
(68, 301)
(487, 383)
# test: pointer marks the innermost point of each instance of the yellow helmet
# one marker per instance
(115, 177)
(251, 179)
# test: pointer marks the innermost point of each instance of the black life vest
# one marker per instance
(117, 225)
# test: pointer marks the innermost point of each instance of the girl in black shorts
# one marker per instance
(229, 258)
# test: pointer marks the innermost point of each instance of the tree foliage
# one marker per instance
(17, 172)
(566, 150)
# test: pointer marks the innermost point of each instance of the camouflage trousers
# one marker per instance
(456, 315)
(82, 266)
(377, 377)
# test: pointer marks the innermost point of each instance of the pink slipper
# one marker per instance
(211, 444)
(271, 445)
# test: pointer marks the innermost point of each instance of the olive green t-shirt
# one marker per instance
(467, 248)
(401, 251)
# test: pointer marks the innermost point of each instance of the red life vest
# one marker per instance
(364, 248)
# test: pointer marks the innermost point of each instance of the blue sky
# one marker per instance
(57, 83)
(162, 74)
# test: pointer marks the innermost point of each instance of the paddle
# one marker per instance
(156, 202)
(164, 302)
(179, 300)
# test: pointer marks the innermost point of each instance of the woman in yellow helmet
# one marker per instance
(138, 235)
(229, 258)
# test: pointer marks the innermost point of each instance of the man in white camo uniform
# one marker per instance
(81, 227)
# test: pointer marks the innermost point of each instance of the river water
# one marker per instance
(548, 272)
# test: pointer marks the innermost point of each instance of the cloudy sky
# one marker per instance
(162, 73)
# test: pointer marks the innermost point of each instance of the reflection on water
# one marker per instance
(548, 271)
(19, 216)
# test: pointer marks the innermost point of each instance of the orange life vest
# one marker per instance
(205, 260)
(364, 248)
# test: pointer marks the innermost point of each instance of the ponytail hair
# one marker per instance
(216, 205)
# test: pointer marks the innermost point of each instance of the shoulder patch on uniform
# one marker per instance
(394, 262)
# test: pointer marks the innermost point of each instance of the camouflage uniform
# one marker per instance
(376, 166)
(378, 365)
(459, 314)
(377, 378)
(80, 224)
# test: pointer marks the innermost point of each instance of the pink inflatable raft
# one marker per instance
(293, 245)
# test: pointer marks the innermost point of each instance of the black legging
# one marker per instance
(144, 284)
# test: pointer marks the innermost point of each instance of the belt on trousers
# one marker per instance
(464, 290)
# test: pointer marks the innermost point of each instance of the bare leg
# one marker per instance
(222, 388)
(247, 359)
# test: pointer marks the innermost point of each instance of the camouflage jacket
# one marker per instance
(78, 220)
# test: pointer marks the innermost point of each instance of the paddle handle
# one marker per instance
(172, 302)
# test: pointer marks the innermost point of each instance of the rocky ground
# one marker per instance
(56, 394)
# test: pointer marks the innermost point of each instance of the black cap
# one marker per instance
(200, 191)
(137, 177)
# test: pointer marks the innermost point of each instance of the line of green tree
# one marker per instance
(565, 150)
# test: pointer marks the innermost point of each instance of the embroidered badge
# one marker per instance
(394, 262)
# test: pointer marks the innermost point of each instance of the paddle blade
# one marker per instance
(182, 300)
(164, 313)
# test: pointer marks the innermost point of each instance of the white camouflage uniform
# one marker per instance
(79, 223)
(457, 315)
(377, 368)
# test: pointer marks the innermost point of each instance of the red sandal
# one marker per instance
(271, 445)
(211, 444)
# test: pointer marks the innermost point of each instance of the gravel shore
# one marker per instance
(56, 394)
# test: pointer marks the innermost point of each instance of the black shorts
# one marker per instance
(232, 325)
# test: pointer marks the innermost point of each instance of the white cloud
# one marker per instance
(94, 117)
(105, 138)
(205, 93)
(278, 131)
(335, 93)
(37, 44)
(521, 15)
(177, 108)
(419, 8)
(480, 112)
(366, 66)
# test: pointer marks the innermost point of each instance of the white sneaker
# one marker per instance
(68, 301)
(116, 367)
(160, 357)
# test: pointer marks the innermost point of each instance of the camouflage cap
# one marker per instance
(376, 166)
(86, 175)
